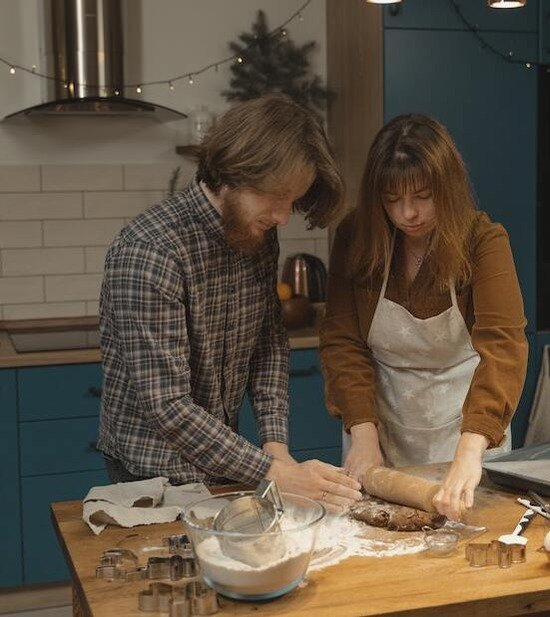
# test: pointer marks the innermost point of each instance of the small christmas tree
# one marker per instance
(271, 62)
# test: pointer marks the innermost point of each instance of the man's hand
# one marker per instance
(457, 492)
(316, 480)
(365, 450)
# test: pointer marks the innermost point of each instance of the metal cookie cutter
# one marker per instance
(193, 598)
(179, 545)
(495, 553)
(119, 564)
(122, 565)
(174, 567)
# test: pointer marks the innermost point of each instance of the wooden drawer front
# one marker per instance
(11, 566)
(43, 558)
(327, 455)
(59, 446)
(66, 391)
(310, 424)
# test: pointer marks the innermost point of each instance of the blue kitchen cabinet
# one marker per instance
(59, 446)
(43, 558)
(11, 565)
(54, 438)
(440, 15)
(313, 433)
(65, 391)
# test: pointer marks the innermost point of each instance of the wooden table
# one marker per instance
(403, 585)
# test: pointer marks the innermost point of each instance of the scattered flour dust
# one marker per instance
(340, 537)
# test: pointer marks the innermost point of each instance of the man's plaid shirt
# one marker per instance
(187, 326)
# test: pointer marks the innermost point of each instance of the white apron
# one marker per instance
(423, 368)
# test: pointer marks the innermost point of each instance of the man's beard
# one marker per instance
(237, 228)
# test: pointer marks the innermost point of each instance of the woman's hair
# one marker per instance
(263, 144)
(411, 153)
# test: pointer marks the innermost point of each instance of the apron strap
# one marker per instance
(387, 269)
(452, 289)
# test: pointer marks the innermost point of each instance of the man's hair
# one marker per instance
(263, 144)
(410, 153)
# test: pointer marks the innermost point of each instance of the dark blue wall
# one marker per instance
(434, 65)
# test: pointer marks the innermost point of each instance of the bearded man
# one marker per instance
(189, 315)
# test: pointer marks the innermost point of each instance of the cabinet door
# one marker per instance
(310, 426)
(43, 557)
(10, 514)
(327, 455)
(65, 391)
(59, 446)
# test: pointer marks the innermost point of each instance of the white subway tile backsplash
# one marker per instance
(291, 247)
(87, 232)
(321, 250)
(17, 262)
(297, 228)
(149, 177)
(95, 258)
(82, 178)
(53, 243)
(119, 205)
(19, 235)
(45, 310)
(72, 287)
(15, 178)
(21, 289)
(40, 206)
(92, 308)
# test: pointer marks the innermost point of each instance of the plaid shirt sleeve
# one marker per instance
(147, 294)
(268, 381)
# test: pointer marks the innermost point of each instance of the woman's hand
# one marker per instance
(364, 451)
(457, 491)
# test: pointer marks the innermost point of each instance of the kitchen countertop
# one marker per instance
(302, 338)
(413, 585)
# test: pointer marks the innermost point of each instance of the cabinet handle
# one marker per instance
(304, 372)
(94, 391)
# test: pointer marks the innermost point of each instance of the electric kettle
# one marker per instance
(306, 275)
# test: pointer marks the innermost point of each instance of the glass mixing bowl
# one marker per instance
(281, 557)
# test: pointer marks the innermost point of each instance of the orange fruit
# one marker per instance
(284, 291)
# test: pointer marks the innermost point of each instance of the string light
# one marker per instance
(279, 31)
(117, 92)
(506, 56)
(171, 86)
(12, 70)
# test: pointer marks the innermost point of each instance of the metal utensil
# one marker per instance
(539, 501)
(532, 506)
(252, 516)
(515, 537)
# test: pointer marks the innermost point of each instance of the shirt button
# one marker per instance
(233, 288)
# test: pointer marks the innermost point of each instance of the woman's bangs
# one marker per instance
(403, 175)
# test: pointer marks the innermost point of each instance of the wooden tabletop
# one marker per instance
(415, 584)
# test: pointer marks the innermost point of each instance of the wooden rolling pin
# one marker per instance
(401, 488)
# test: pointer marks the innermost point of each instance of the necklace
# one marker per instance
(418, 259)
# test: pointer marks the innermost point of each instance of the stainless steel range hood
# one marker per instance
(87, 61)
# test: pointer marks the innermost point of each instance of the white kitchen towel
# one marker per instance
(128, 504)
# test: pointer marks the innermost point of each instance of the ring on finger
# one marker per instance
(323, 495)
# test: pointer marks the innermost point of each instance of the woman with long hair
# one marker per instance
(423, 345)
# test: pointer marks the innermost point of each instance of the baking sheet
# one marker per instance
(524, 469)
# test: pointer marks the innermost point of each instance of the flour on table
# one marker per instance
(340, 537)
